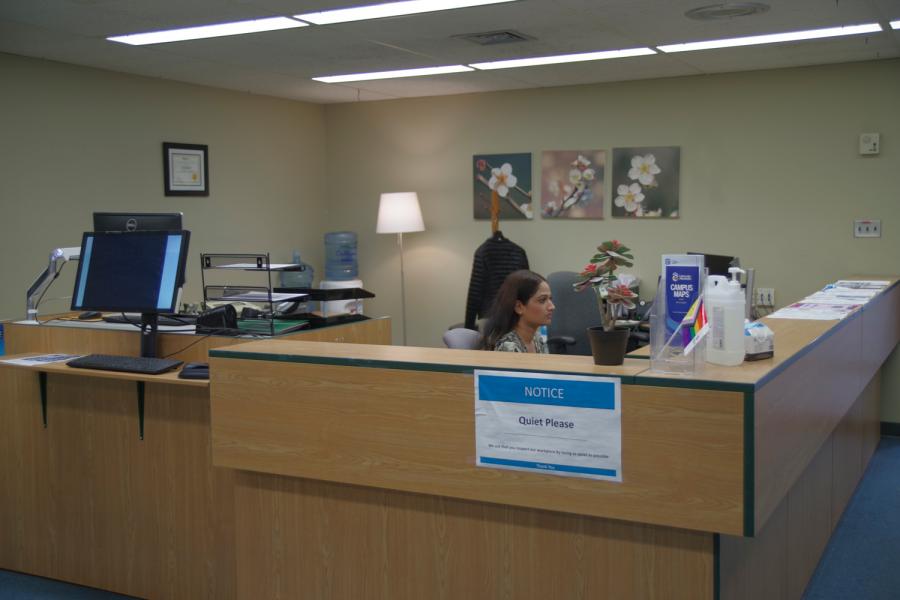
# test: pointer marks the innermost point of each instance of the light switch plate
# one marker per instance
(869, 143)
(867, 228)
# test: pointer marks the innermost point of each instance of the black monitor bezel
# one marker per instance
(175, 224)
(706, 262)
(182, 265)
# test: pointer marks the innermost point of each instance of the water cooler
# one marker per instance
(341, 271)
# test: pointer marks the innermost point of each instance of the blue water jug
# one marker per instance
(298, 279)
(340, 255)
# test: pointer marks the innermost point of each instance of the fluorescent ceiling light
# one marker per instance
(773, 38)
(394, 74)
(562, 58)
(389, 9)
(895, 24)
(207, 31)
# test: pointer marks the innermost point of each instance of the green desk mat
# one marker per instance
(265, 327)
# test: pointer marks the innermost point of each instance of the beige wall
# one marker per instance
(74, 140)
(769, 165)
(770, 172)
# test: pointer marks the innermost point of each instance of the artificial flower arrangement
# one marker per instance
(600, 274)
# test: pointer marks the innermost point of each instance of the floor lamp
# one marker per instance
(399, 212)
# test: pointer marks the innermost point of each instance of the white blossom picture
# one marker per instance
(572, 183)
(510, 176)
(645, 182)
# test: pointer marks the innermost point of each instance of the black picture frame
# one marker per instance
(185, 169)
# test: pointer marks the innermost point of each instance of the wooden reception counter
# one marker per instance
(332, 471)
(85, 500)
(356, 473)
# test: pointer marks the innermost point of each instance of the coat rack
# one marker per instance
(495, 212)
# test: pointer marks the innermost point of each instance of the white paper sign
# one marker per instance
(43, 359)
(567, 425)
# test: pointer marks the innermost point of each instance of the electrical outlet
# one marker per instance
(765, 296)
(867, 228)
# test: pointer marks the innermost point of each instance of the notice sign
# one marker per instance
(558, 424)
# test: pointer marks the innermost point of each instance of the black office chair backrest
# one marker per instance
(575, 312)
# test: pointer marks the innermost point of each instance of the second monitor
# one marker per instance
(121, 221)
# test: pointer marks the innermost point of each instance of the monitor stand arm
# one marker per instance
(149, 325)
(58, 258)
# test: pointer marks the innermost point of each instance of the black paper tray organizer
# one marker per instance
(317, 295)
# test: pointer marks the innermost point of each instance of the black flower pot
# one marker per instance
(608, 347)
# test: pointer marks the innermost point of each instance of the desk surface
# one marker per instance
(61, 368)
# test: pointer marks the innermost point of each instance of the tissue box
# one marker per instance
(759, 341)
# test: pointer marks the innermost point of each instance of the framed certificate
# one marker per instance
(186, 169)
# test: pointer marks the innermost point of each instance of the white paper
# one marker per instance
(815, 311)
(262, 297)
(862, 284)
(566, 425)
(255, 267)
(43, 359)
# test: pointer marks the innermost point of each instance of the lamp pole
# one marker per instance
(402, 287)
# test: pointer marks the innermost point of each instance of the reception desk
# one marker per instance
(356, 476)
(86, 500)
(317, 469)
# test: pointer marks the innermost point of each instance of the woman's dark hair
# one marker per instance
(518, 286)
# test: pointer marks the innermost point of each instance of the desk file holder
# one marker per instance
(317, 295)
(265, 295)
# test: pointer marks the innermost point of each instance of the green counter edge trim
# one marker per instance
(391, 364)
(749, 465)
(717, 593)
(697, 384)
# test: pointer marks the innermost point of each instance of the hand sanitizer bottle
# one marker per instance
(725, 310)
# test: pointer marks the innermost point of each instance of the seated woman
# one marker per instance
(523, 303)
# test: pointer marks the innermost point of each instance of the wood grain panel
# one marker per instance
(756, 568)
(300, 539)
(871, 419)
(93, 504)
(847, 464)
(809, 519)
(797, 410)
(413, 430)
(59, 368)
(791, 337)
(881, 330)
(427, 358)
(48, 338)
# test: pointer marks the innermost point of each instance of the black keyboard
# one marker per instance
(163, 320)
(128, 364)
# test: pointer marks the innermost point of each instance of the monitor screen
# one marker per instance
(114, 221)
(139, 271)
(718, 264)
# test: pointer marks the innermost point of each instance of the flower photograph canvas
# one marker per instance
(510, 176)
(645, 182)
(572, 183)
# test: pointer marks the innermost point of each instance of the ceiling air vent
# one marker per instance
(492, 38)
(728, 10)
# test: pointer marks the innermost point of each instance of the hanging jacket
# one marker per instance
(496, 258)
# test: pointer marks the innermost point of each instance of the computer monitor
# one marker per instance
(717, 264)
(138, 271)
(116, 221)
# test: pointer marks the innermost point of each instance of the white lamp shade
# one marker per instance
(399, 212)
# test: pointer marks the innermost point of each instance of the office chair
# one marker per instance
(575, 312)
(462, 338)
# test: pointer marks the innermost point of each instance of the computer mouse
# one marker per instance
(195, 370)
(91, 314)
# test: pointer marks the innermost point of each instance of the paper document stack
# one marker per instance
(833, 302)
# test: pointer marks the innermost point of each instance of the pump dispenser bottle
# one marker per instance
(725, 310)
